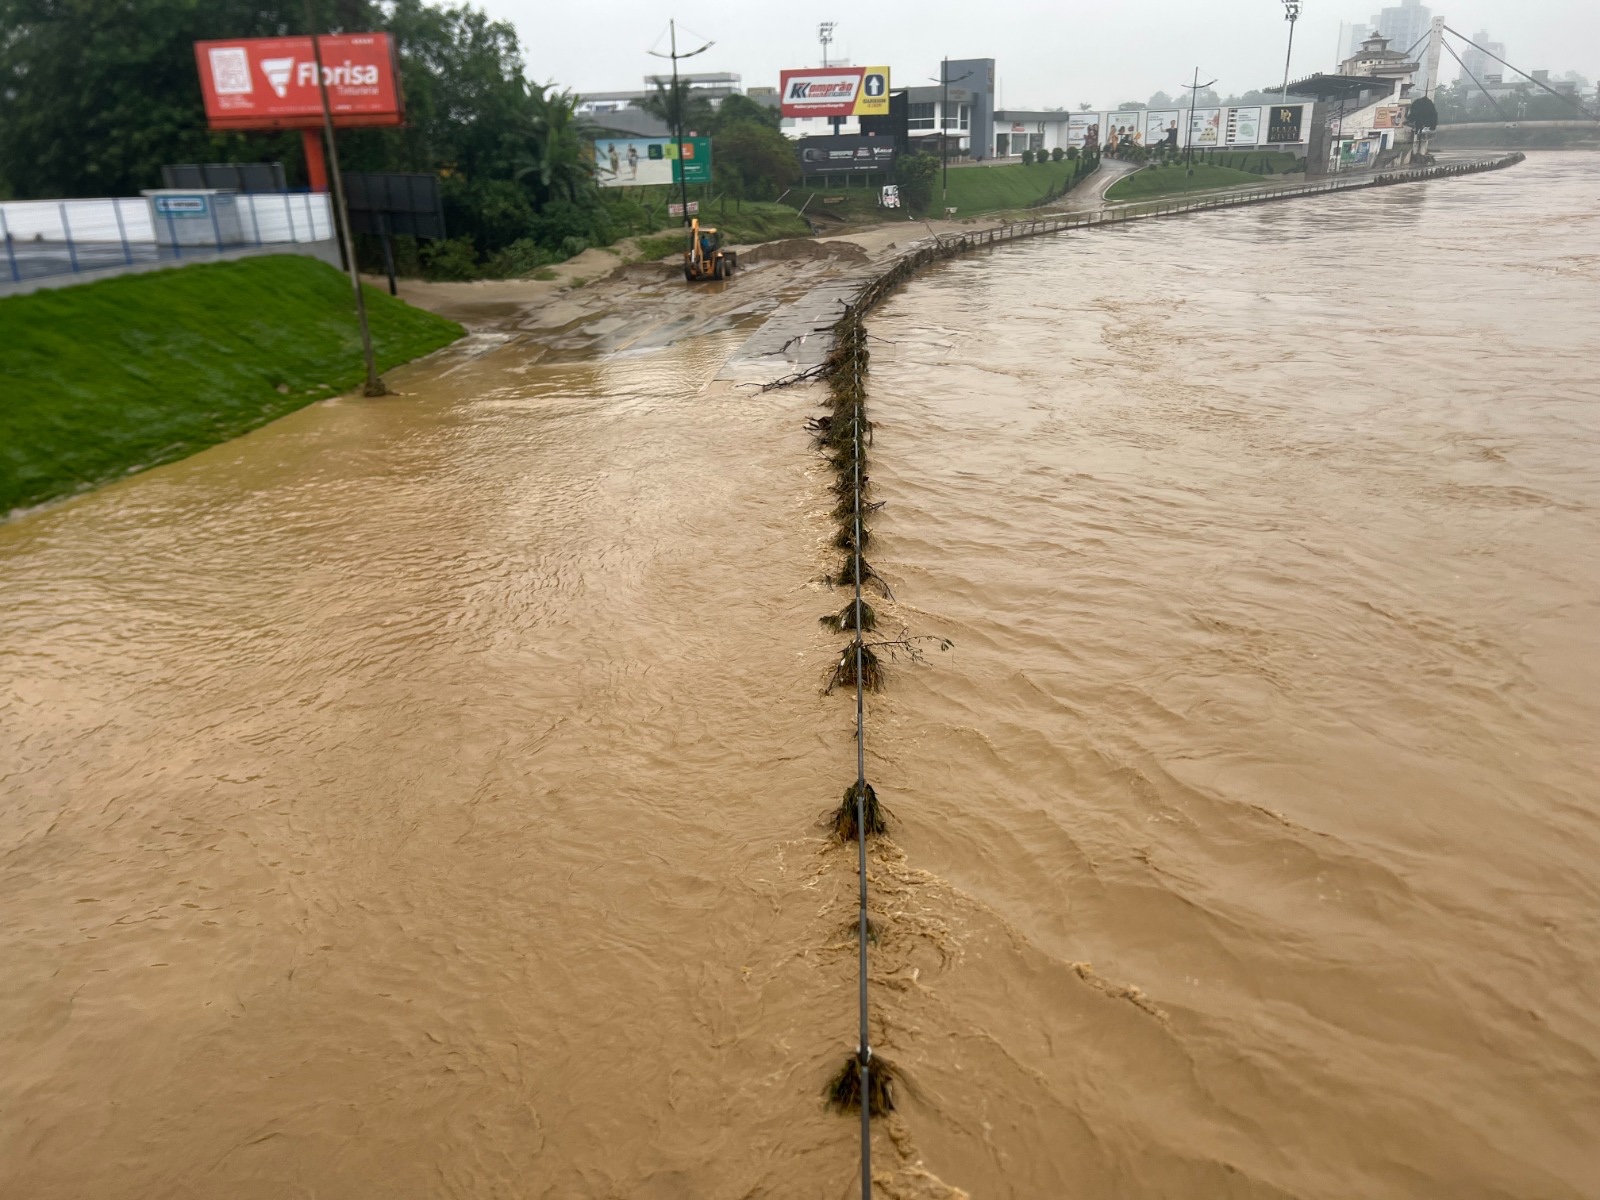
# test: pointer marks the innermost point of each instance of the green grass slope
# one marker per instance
(1169, 181)
(103, 379)
(975, 190)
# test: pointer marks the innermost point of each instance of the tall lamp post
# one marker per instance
(1194, 96)
(944, 81)
(1291, 13)
(677, 110)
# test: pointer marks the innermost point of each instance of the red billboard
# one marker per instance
(835, 92)
(271, 83)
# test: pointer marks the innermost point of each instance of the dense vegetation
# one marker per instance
(181, 360)
(96, 97)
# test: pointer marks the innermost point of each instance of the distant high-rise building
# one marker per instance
(1351, 35)
(1479, 63)
(1404, 25)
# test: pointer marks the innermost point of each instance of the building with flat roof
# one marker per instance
(715, 86)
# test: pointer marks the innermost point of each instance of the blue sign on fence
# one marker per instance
(182, 206)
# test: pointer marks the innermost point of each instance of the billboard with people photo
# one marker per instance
(1124, 127)
(1161, 128)
(1083, 130)
(641, 162)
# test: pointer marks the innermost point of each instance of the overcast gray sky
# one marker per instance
(1048, 53)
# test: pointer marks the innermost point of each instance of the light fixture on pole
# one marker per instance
(677, 110)
(944, 81)
(1291, 13)
(825, 35)
(1194, 97)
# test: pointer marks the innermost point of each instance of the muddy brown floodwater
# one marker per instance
(420, 797)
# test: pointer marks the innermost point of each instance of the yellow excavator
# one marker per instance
(705, 258)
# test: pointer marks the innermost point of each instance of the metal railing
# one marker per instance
(948, 244)
(40, 238)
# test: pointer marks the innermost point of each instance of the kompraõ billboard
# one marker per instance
(845, 155)
(271, 83)
(642, 162)
(835, 92)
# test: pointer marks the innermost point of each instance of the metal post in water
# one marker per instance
(375, 385)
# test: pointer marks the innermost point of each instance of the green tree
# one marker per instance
(1422, 114)
(759, 158)
(95, 97)
(915, 174)
(741, 110)
(684, 105)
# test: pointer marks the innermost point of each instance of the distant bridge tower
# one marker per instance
(1430, 62)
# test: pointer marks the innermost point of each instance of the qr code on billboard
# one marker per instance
(230, 70)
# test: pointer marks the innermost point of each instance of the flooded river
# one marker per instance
(420, 797)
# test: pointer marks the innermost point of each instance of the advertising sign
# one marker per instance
(1083, 130)
(642, 162)
(1205, 126)
(271, 83)
(1386, 117)
(1284, 122)
(835, 92)
(676, 210)
(845, 155)
(1124, 126)
(1161, 128)
(890, 197)
(1244, 126)
(181, 207)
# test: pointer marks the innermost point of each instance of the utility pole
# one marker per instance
(677, 111)
(1194, 96)
(374, 385)
(944, 82)
(1291, 13)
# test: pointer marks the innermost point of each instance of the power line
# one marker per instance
(1536, 82)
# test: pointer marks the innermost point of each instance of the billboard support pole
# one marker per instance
(374, 385)
(316, 165)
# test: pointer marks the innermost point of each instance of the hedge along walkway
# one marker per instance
(104, 379)
(865, 1084)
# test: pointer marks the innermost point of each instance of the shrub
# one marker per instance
(1027, 158)
(1072, 153)
(1057, 154)
(450, 259)
(522, 258)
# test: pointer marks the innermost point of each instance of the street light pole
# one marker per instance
(1194, 96)
(677, 111)
(944, 82)
(1291, 13)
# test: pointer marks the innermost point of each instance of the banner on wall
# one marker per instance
(1205, 126)
(1124, 126)
(1161, 128)
(1244, 126)
(1083, 130)
(1284, 123)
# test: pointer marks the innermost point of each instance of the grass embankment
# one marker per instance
(1168, 181)
(741, 225)
(973, 191)
(102, 379)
